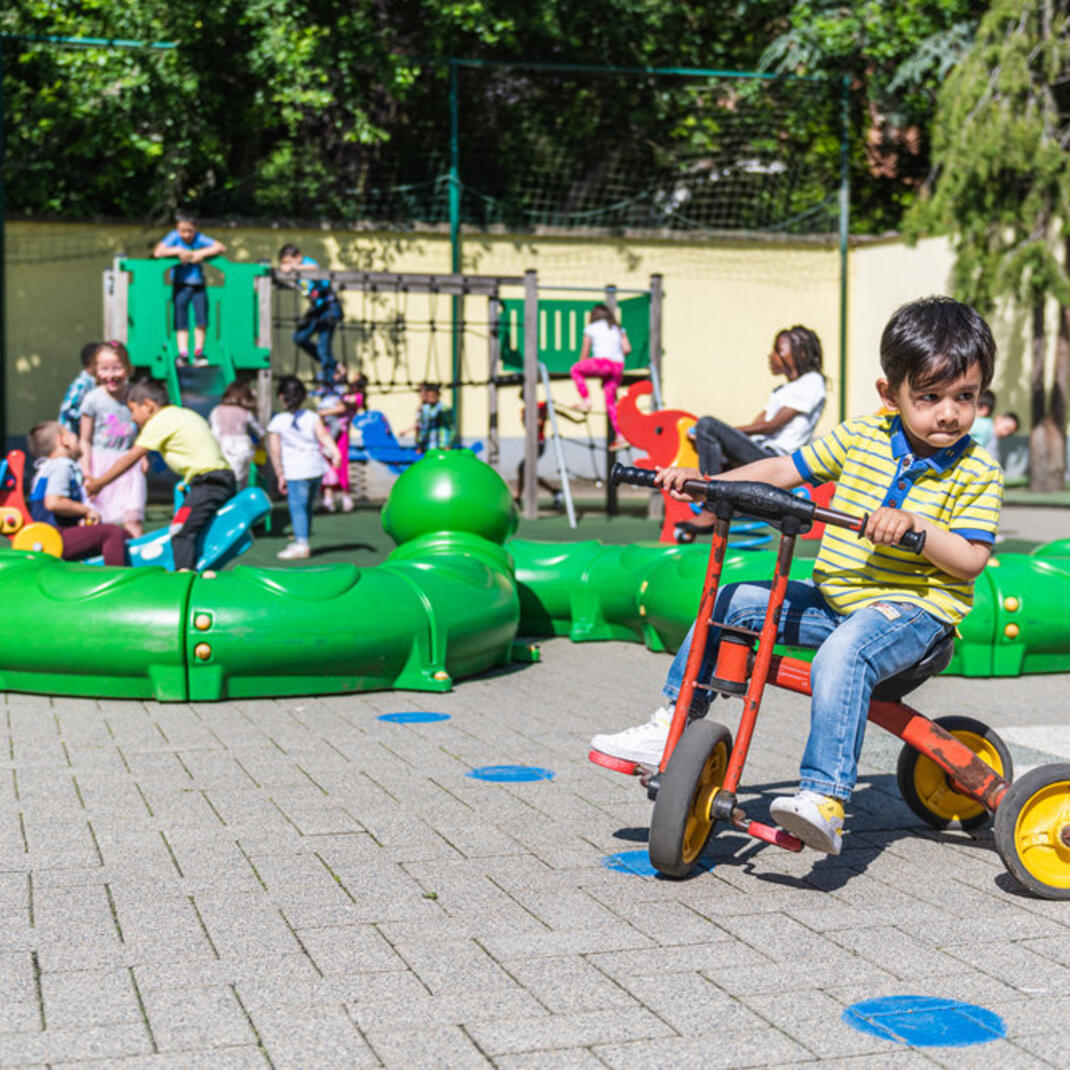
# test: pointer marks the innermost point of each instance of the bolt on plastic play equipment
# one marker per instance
(951, 769)
(443, 606)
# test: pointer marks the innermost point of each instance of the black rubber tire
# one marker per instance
(1029, 820)
(697, 766)
(922, 782)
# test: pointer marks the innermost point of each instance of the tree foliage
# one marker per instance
(896, 56)
(1002, 189)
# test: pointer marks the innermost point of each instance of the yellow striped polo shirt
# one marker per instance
(960, 488)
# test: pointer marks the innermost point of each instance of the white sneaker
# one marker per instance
(347, 504)
(294, 551)
(814, 818)
(328, 505)
(644, 743)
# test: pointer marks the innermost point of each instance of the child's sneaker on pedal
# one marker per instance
(643, 743)
(814, 818)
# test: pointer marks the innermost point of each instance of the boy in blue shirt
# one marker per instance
(323, 314)
(191, 247)
(70, 408)
(872, 608)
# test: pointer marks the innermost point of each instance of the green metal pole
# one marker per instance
(845, 233)
(455, 243)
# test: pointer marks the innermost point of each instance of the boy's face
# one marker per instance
(142, 411)
(938, 415)
(289, 263)
(186, 231)
(1004, 425)
(431, 397)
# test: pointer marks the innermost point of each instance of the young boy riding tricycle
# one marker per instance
(912, 524)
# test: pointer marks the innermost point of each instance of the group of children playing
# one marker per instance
(90, 478)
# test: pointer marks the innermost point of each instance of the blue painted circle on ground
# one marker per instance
(925, 1021)
(511, 774)
(636, 863)
(415, 717)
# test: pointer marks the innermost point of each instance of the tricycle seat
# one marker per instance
(935, 660)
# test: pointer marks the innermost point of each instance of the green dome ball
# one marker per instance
(449, 490)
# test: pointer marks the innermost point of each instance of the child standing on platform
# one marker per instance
(191, 247)
(106, 431)
(186, 443)
(297, 442)
(56, 497)
(70, 408)
(605, 346)
(235, 427)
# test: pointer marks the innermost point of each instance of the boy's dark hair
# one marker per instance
(427, 385)
(292, 392)
(936, 339)
(184, 215)
(289, 249)
(1014, 416)
(987, 400)
(148, 390)
(43, 437)
(89, 351)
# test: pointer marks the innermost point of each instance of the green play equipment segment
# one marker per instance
(449, 602)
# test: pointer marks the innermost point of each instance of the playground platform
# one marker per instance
(297, 882)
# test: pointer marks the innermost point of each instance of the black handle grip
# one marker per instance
(637, 477)
(913, 540)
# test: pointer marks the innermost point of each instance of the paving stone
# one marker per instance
(765, 1047)
(110, 1042)
(196, 1018)
(350, 949)
(321, 1037)
(567, 1030)
(89, 998)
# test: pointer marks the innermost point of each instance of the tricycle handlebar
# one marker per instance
(762, 500)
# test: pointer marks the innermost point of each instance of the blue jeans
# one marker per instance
(854, 654)
(186, 294)
(322, 325)
(301, 494)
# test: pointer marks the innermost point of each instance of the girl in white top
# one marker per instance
(605, 345)
(297, 442)
(786, 423)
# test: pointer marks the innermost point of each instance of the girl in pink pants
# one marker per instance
(605, 345)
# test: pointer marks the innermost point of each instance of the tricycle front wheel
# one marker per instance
(1032, 830)
(683, 812)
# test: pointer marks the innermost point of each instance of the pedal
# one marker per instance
(618, 765)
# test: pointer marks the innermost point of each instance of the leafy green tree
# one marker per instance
(1002, 191)
(896, 56)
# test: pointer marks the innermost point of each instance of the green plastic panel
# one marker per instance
(233, 318)
(561, 326)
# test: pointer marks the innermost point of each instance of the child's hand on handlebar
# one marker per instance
(887, 526)
(673, 480)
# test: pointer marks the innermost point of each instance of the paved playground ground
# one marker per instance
(298, 883)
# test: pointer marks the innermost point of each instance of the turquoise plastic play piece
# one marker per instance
(228, 536)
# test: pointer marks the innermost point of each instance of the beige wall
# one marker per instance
(723, 304)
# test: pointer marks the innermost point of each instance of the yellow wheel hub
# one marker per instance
(935, 790)
(700, 820)
(1042, 834)
(42, 538)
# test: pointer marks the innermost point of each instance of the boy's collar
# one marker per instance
(940, 461)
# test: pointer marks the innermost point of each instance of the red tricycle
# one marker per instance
(950, 769)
